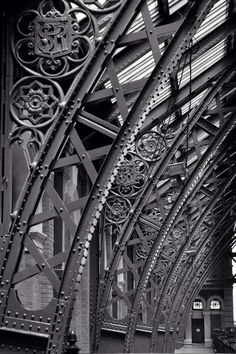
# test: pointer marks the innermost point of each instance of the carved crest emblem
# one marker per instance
(54, 41)
(53, 35)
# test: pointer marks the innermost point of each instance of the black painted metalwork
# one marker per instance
(153, 170)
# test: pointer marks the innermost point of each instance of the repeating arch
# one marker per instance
(188, 191)
(204, 270)
(148, 165)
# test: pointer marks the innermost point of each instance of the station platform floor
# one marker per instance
(194, 348)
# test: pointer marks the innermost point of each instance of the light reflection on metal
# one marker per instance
(37, 106)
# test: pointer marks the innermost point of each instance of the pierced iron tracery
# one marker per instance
(117, 209)
(151, 146)
(53, 42)
(35, 103)
(133, 192)
(131, 177)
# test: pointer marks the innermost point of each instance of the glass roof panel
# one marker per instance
(143, 65)
(203, 62)
(138, 24)
(175, 5)
(192, 103)
(215, 18)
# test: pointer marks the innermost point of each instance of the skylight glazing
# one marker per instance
(175, 5)
(203, 62)
(138, 24)
(215, 18)
(194, 102)
(144, 64)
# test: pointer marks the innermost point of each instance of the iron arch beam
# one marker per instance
(157, 172)
(179, 260)
(179, 331)
(227, 224)
(60, 130)
(168, 224)
(186, 275)
(88, 225)
(49, 151)
(206, 268)
(224, 224)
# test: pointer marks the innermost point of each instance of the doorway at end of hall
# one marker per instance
(198, 330)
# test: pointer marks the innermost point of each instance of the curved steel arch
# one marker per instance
(179, 332)
(52, 149)
(45, 164)
(185, 272)
(126, 230)
(206, 268)
(181, 261)
(168, 224)
(221, 223)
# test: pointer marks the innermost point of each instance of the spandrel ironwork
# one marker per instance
(54, 40)
(102, 81)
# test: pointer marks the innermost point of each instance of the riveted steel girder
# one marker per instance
(180, 269)
(175, 213)
(99, 81)
(46, 163)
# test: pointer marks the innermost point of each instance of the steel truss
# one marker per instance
(153, 180)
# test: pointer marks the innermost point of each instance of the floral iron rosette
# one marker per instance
(54, 41)
(131, 177)
(35, 102)
(150, 145)
(117, 209)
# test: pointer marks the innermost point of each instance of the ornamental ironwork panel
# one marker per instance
(112, 134)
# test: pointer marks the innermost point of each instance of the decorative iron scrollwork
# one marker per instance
(161, 268)
(178, 234)
(54, 40)
(154, 214)
(143, 249)
(35, 103)
(171, 196)
(132, 176)
(151, 145)
(33, 137)
(117, 209)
